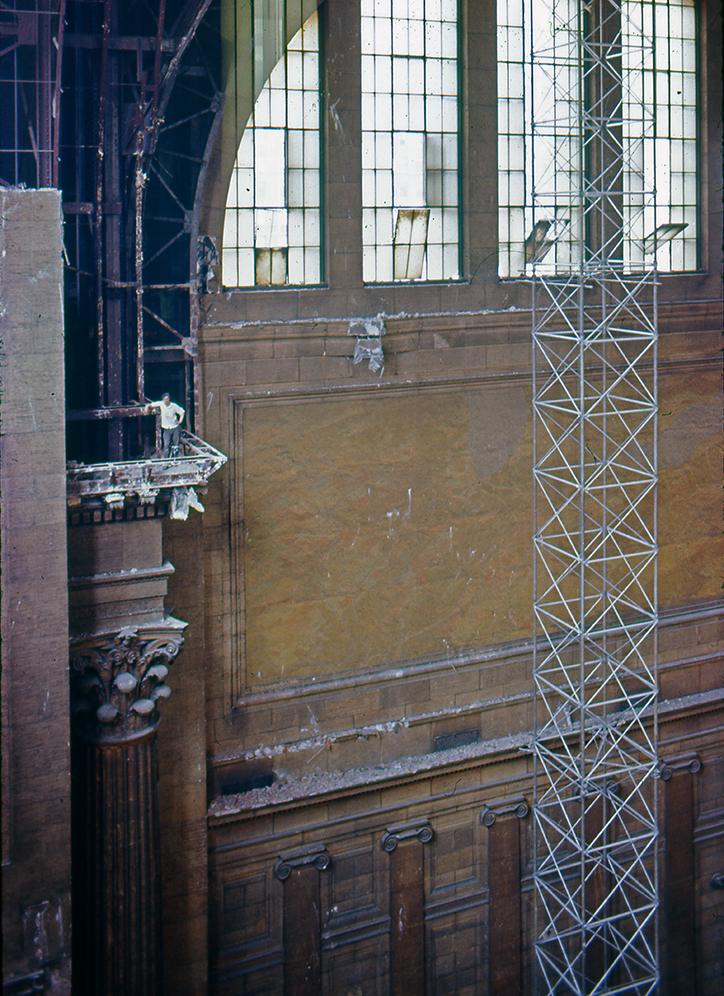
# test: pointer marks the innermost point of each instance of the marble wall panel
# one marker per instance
(393, 526)
(383, 528)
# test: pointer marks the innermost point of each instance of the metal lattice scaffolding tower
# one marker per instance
(593, 271)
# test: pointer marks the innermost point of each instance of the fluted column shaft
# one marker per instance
(117, 681)
(116, 872)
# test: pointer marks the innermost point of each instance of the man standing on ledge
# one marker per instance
(171, 418)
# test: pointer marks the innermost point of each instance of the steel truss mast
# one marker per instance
(592, 263)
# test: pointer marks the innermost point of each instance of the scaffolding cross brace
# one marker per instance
(593, 134)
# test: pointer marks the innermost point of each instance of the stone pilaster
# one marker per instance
(505, 925)
(404, 844)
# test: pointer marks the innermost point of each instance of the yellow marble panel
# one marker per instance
(370, 535)
(386, 528)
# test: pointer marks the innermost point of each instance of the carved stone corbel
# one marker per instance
(117, 680)
(504, 807)
(393, 835)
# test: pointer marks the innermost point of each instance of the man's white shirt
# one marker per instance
(169, 413)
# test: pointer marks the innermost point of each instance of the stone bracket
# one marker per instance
(513, 805)
(393, 835)
(681, 762)
(315, 854)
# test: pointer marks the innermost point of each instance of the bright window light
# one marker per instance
(410, 219)
(653, 113)
(272, 221)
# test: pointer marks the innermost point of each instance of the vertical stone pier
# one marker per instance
(121, 648)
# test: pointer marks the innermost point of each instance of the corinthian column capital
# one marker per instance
(117, 680)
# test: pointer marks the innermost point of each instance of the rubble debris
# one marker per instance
(319, 783)
(369, 332)
(181, 500)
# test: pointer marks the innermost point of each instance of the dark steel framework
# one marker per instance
(114, 104)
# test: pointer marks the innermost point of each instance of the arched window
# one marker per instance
(272, 224)
(544, 91)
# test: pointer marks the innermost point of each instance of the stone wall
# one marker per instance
(349, 811)
(36, 716)
(367, 570)
(353, 684)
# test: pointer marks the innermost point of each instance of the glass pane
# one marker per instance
(367, 66)
(368, 186)
(384, 268)
(311, 149)
(295, 262)
(416, 76)
(450, 265)
(433, 258)
(311, 109)
(367, 34)
(311, 228)
(433, 77)
(383, 150)
(449, 41)
(245, 155)
(433, 39)
(404, 138)
(294, 70)
(450, 187)
(434, 188)
(295, 187)
(383, 36)
(416, 36)
(401, 111)
(295, 149)
(382, 111)
(311, 188)
(433, 147)
(416, 114)
(229, 267)
(276, 169)
(271, 228)
(449, 10)
(270, 159)
(296, 227)
(311, 71)
(231, 237)
(312, 274)
(384, 225)
(409, 168)
(449, 114)
(278, 108)
(433, 114)
(383, 75)
(383, 188)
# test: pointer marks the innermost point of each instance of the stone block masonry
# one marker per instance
(35, 717)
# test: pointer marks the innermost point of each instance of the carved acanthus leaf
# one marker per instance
(117, 680)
